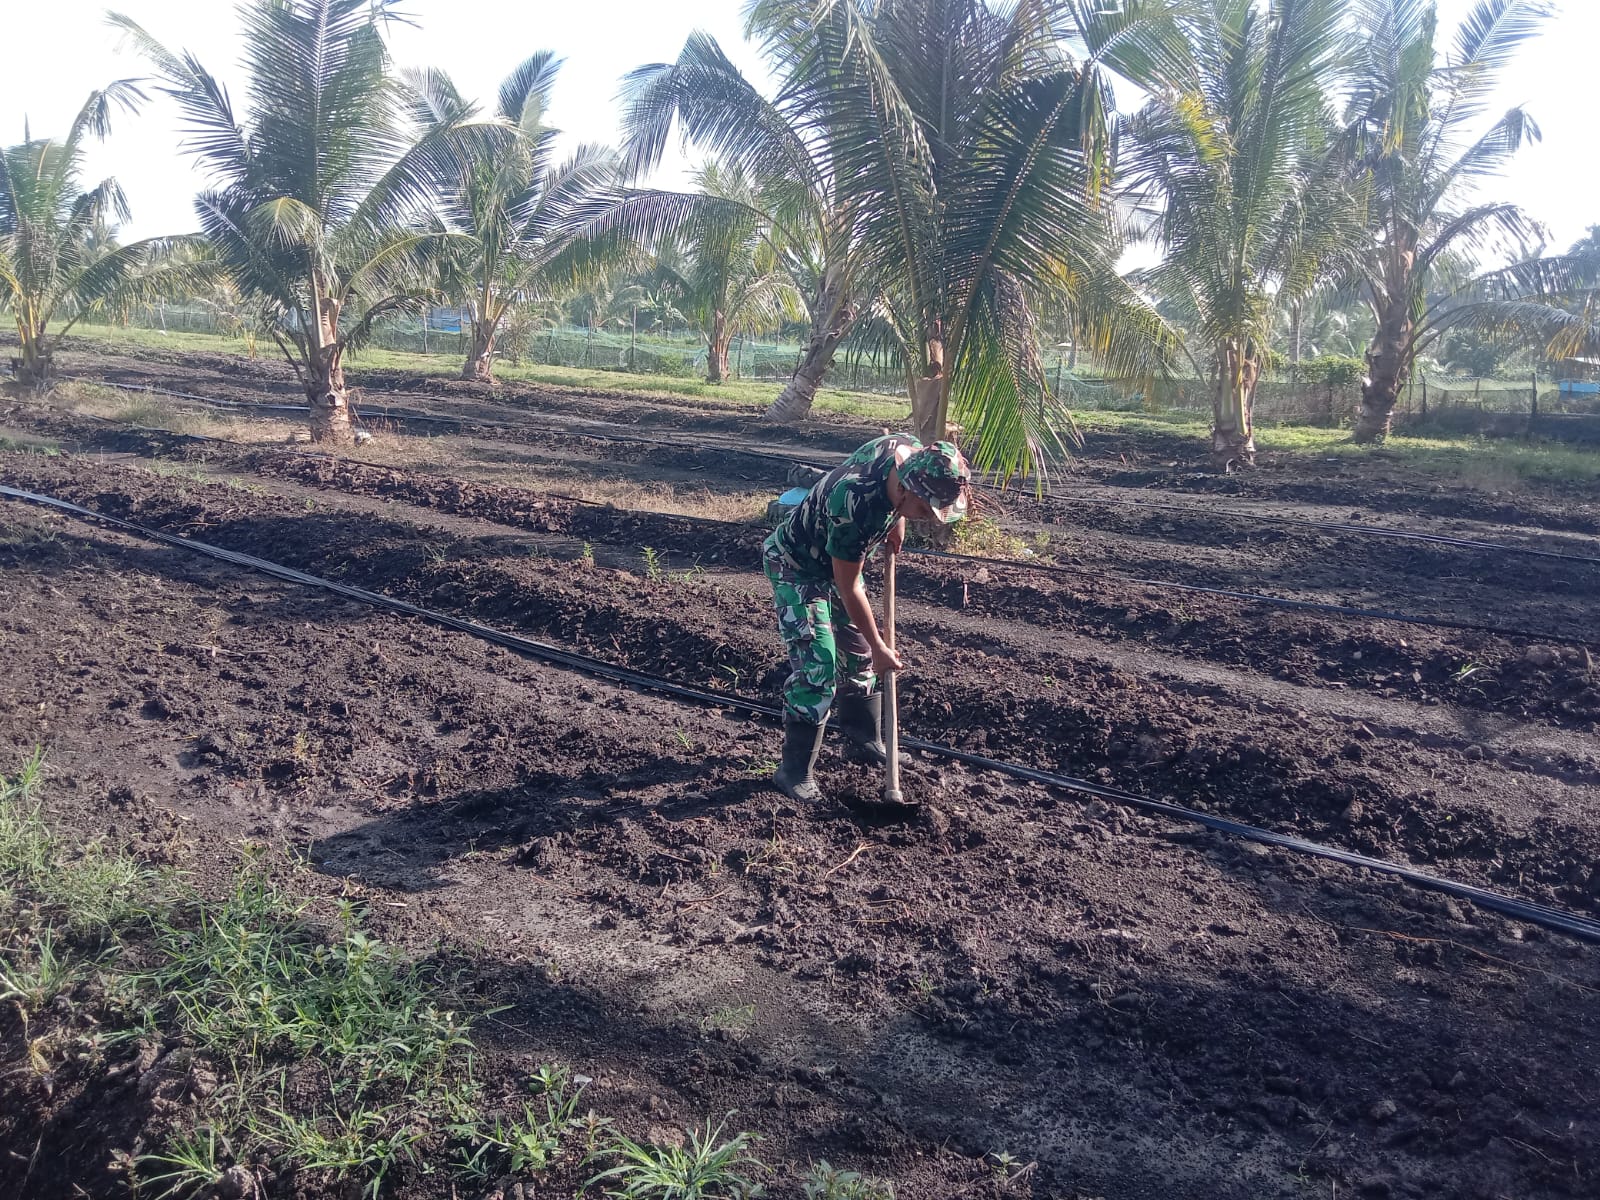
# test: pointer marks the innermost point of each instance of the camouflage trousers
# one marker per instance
(827, 653)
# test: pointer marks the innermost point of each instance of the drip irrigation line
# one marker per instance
(1190, 509)
(1559, 920)
(1412, 535)
(1375, 614)
(1344, 610)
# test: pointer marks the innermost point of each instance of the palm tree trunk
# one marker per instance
(1388, 367)
(1233, 430)
(479, 364)
(330, 399)
(927, 409)
(794, 402)
(35, 367)
(717, 353)
(930, 395)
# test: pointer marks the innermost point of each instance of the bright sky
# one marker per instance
(61, 50)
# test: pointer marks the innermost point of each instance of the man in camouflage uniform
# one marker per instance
(814, 560)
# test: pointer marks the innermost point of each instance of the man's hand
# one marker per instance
(884, 659)
(897, 536)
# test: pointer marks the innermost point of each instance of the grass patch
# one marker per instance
(1493, 464)
(289, 1054)
(753, 395)
(733, 1021)
(828, 1183)
(706, 1167)
(984, 537)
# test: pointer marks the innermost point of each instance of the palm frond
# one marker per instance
(432, 98)
(525, 94)
(214, 133)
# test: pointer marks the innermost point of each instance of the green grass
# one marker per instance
(705, 1168)
(752, 395)
(829, 1183)
(1493, 463)
(306, 1048)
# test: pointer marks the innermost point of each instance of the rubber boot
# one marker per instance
(861, 722)
(801, 742)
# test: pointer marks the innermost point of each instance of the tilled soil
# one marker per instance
(1141, 1009)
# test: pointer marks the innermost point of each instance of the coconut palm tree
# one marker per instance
(971, 153)
(721, 112)
(58, 255)
(1550, 305)
(1233, 163)
(732, 275)
(1411, 110)
(514, 206)
(319, 183)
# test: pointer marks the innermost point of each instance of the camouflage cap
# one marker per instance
(939, 475)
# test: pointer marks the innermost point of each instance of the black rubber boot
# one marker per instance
(861, 722)
(801, 742)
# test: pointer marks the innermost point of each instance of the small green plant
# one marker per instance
(683, 739)
(587, 556)
(652, 564)
(196, 1159)
(34, 983)
(1004, 1165)
(829, 1183)
(983, 536)
(366, 1143)
(774, 858)
(707, 1168)
(734, 1020)
(91, 890)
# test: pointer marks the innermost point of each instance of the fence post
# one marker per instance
(1533, 403)
(1424, 395)
(633, 339)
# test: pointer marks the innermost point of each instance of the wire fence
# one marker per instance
(1448, 403)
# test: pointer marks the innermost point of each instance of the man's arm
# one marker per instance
(853, 592)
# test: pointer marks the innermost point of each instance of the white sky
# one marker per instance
(61, 49)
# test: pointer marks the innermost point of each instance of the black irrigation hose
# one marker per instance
(1559, 920)
(1413, 535)
(1375, 614)
(1191, 509)
(1345, 610)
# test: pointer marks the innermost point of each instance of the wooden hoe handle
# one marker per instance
(891, 709)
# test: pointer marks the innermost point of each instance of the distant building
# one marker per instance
(1580, 377)
(445, 320)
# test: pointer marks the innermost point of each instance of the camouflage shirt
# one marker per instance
(845, 513)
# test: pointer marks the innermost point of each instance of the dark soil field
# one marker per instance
(1016, 991)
